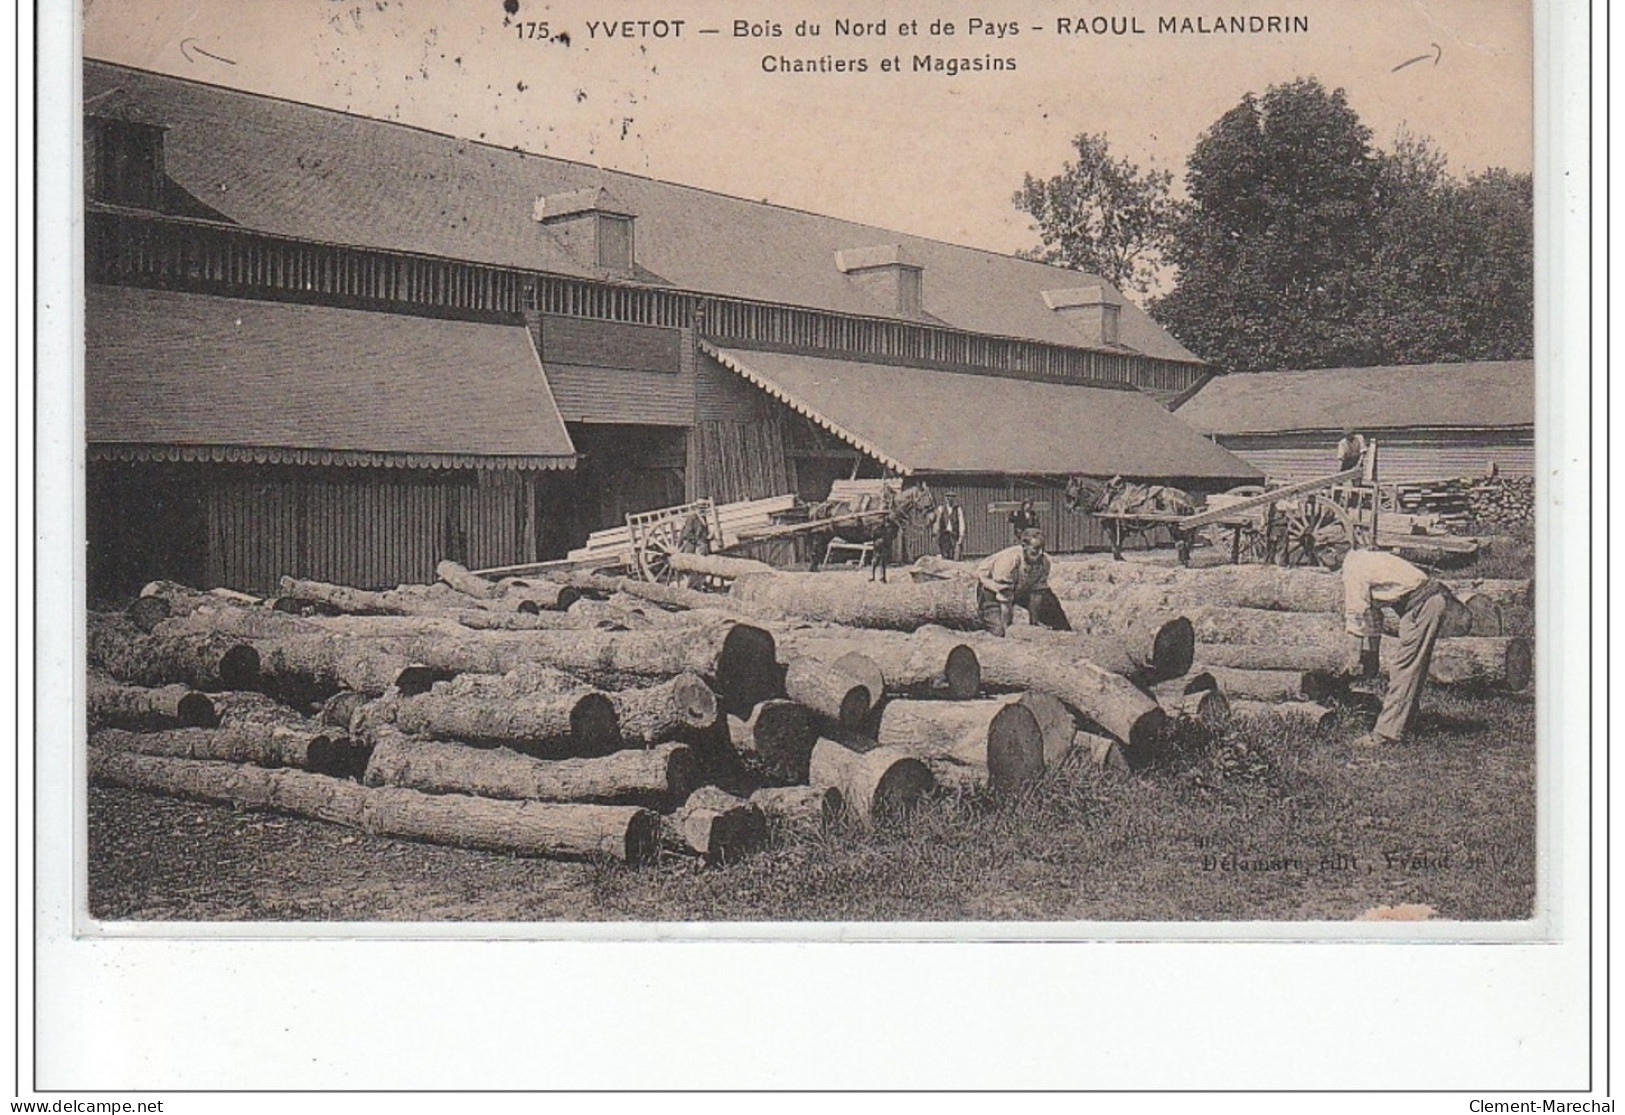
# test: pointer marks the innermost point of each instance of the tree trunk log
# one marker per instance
(828, 691)
(666, 711)
(1505, 663)
(1105, 754)
(1002, 737)
(777, 739)
(799, 808)
(311, 747)
(529, 679)
(871, 783)
(1110, 700)
(1319, 716)
(575, 725)
(526, 828)
(1159, 649)
(1162, 588)
(430, 600)
(1055, 722)
(110, 704)
(1157, 644)
(313, 667)
(852, 600)
(931, 661)
(203, 661)
(1257, 685)
(458, 577)
(658, 778)
(1207, 707)
(1507, 593)
(866, 671)
(1485, 613)
(522, 621)
(717, 825)
(717, 565)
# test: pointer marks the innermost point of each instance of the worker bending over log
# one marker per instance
(1427, 609)
(1018, 575)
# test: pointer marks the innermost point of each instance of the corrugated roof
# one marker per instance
(918, 420)
(170, 369)
(296, 170)
(1486, 394)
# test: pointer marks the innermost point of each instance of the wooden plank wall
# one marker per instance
(372, 528)
(1299, 457)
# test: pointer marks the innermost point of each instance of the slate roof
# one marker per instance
(1479, 395)
(313, 384)
(924, 421)
(314, 173)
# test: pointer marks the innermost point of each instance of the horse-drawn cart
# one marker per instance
(1310, 522)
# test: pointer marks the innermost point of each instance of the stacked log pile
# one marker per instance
(601, 715)
(585, 715)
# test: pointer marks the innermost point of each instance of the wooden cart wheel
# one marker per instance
(661, 539)
(1316, 531)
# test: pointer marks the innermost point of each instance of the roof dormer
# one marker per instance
(590, 229)
(1092, 310)
(889, 274)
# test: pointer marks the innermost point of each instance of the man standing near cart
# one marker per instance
(1372, 580)
(948, 524)
(1018, 575)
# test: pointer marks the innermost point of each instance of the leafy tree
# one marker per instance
(1276, 233)
(1102, 215)
(1299, 246)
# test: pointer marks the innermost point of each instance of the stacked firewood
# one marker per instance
(1467, 503)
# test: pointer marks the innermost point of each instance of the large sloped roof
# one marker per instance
(1480, 395)
(301, 171)
(313, 384)
(917, 420)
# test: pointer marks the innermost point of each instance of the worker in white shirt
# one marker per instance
(948, 524)
(1427, 609)
(1018, 575)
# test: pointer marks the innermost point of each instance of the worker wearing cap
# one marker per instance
(1018, 575)
(1427, 609)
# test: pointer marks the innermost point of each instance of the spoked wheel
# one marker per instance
(1316, 531)
(660, 541)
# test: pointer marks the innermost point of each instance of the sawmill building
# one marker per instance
(336, 347)
(1430, 421)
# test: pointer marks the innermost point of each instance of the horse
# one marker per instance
(1089, 496)
(879, 520)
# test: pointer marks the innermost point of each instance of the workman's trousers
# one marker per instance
(1408, 668)
(1043, 609)
(945, 545)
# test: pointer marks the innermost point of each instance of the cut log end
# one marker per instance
(594, 727)
(195, 710)
(239, 667)
(1173, 648)
(963, 673)
(1146, 730)
(418, 679)
(863, 669)
(747, 669)
(1015, 748)
(696, 703)
(147, 612)
(642, 841)
(904, 785)
(1520, 660)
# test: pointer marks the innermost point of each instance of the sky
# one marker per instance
(917, 151)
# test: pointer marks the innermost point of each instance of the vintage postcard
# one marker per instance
(549, 467)
(838, 470)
